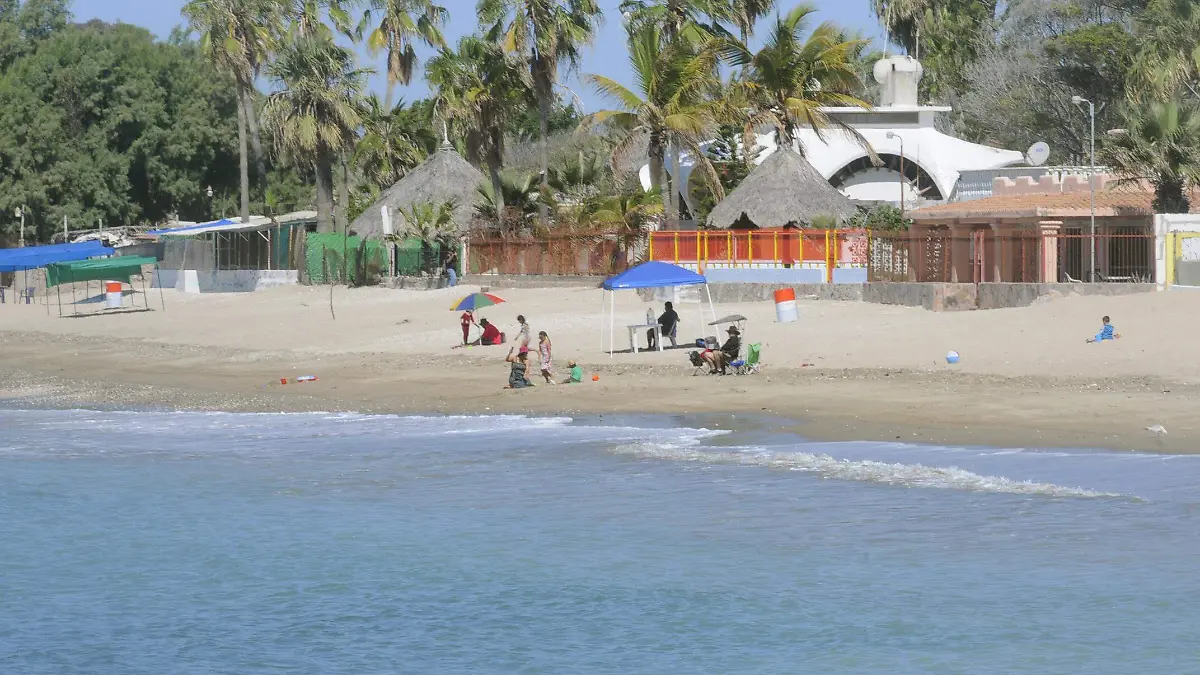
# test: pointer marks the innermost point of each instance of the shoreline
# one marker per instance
(943, 407)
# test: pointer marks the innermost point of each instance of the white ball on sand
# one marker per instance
(952, 357)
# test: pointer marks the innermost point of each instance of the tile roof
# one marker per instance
(1123, 200)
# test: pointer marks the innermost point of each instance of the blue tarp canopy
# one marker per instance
(33, 257)
(185, 229)
(653, 274)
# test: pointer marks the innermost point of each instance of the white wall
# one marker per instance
(224, 281)
(1164, 224)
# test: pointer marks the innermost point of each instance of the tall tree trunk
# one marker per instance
(324, 172)
(260, 165)
(544, 129)
(655, 152)
(343, 202)
(543, 82)
(243, 162)
(676, 188)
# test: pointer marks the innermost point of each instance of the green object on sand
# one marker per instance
(104, 269)
(576, 374)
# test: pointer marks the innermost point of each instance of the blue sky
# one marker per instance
(606, 57)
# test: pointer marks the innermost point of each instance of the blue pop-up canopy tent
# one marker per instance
(653, 274)
(33, 257)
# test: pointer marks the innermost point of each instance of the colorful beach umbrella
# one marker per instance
(476, 301)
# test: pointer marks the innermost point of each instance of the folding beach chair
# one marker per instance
(749, 364)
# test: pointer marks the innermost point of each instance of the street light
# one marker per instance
(890, 135)
(20, 213)
(1079, 100)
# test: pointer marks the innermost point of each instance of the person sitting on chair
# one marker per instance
(719, 360)
(669, 323)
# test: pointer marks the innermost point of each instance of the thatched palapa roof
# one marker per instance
(784, 190)
(443, 177)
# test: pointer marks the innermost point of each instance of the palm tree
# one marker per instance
(746, 13)
(238, 36)
(306, 17)
(479, 87)
(789, 81)
(669, 109)
(546, 34)
(1160, 144)
(401, 24)
(386, 151)
(694, 19)
(433, 225)
(519, 196)
(1169, 58)
(316, 113)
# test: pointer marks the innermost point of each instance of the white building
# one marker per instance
(900, 131)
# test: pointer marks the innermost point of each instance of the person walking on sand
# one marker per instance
(467, 320)
(518, 377)
(545, 358)
(522, 333)
(1106, 332)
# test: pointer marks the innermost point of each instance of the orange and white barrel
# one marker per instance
(112, 294)
(785, 305)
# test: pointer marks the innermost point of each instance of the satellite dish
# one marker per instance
(1037, 154)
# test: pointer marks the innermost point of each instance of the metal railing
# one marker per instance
(1018, 256)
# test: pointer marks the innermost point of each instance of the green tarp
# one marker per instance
(105, 269)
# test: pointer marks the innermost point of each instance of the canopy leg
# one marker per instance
(161, 297)
(612, 326)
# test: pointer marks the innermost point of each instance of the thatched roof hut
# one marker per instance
(784, 190)
(443, 177)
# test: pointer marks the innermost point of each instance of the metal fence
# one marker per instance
(589, 254)
(1019, 256)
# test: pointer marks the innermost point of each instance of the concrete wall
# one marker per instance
(934, 297)
(223, 281)
(1187, 253)
(498, 281)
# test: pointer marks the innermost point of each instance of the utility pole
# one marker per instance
(21, 216)
(1079, 100)
(903, 178)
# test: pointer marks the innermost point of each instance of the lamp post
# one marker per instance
(21, 216)
(1079, 100)
(890, 135)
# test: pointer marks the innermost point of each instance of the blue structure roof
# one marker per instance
(33, 257)
(653, 274)
(186, 228)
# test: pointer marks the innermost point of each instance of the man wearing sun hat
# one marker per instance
(718, 361)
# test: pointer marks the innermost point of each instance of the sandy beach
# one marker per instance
(1026, 379)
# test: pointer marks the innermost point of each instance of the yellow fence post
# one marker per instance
(828, 258)
(650, 255)
(676, 238)
(775, 245)
(1172, 245)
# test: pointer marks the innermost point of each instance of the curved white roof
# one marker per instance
(943, 157)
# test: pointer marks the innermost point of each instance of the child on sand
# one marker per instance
(545, 358)
(1106, 333)
(576, 373)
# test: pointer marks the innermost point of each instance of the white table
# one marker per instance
(635, 331)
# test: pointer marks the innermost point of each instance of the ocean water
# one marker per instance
(180, 543)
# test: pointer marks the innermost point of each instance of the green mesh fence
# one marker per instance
(334, 258)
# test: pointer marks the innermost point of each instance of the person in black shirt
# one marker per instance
(718, 361)
(669, 322)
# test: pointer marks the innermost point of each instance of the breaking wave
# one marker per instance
(866, 471)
